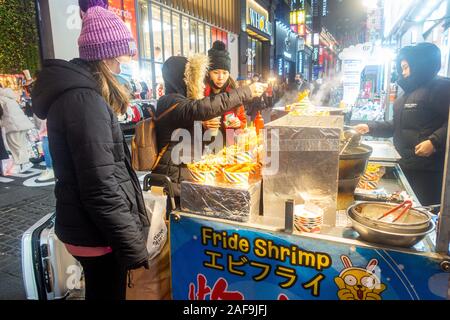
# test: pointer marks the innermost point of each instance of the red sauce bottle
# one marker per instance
(259, 123)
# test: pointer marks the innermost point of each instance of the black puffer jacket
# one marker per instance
(99, 202)
(421, 114)
(188, 111)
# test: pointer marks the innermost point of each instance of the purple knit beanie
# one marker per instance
(104, 35)
(86, 4)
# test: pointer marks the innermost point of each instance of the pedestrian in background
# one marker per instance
(16, 125)
(3, 152)
(48, 174)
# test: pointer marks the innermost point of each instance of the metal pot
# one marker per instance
(367, 213)
(395, 239)
(353, 162)
(348, 186)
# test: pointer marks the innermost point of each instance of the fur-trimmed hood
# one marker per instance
(186, 76)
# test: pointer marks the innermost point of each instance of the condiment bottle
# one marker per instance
(259, 123)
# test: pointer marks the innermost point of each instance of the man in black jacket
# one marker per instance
(420, 120)
(184, 85)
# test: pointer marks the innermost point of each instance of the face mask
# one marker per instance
(125, 73)
(126, 70)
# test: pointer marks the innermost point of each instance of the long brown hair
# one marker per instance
(112, 91)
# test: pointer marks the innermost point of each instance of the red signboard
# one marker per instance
(127, 11)
(219, 35)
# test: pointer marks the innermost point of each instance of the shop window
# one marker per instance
(176, 28)
(250, 60)
(167, 34)
(159, 80)
(225, 38)
(144, 30)
(157, 34)
(201, 38)
(254, 53)
(145, 79)
(208, 37)
(185, 28)
(214, 34)
(193, 36)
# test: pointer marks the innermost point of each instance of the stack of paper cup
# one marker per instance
(308, 218)
(205, 177)
(237, 178)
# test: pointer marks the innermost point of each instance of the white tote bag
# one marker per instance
(156, 211)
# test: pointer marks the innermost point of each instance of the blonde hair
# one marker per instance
(112, 91)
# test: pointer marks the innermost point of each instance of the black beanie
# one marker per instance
(219, 57)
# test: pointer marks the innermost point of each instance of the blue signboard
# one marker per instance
(219, 261)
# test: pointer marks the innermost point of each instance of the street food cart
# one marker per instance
(250, 254)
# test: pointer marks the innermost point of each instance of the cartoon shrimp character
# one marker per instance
(358, 283)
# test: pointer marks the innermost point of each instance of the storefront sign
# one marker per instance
(316, 54)
(258, 18)
(127, 11)
(280, 66)
(351, 70)
(300, 62)
(121, 13)
(286, 42)
(301, 44)
(218, 261)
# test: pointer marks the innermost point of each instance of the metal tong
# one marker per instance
(352, 138)
(407, 205)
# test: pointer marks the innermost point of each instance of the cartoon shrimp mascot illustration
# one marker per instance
(358, 283)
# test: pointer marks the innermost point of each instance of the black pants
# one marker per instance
(427, 185)
(3, 152)
(104, 279)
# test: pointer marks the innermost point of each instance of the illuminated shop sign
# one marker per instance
(258, 18)
(316, 54)
(280, 66)
(325, 8)
(300, 62)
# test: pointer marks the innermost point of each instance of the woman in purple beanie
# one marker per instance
(100, 212)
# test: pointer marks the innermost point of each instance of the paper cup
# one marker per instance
(215, 132)
(208, 177)
(308, 221)
(244, 157)
(237, 178)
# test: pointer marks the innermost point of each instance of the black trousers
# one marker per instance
(3, 152)
(104, 278)
(427, 185)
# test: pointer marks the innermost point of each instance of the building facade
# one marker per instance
(256, 38)
(411, 22)
(162, 29)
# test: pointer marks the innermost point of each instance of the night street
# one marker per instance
(291, 150)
